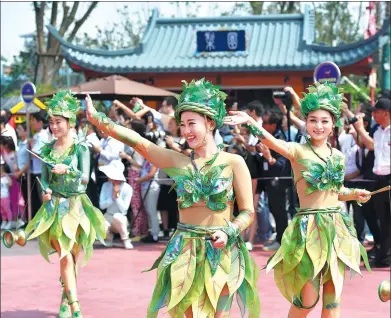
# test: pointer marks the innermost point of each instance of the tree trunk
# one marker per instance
(50, 59)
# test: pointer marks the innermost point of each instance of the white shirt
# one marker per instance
(346, 142)
(119, 205)
(349, 148)
(157, 118)
(92, 140)
(10, 160)
(152, 183)
(9, 131)
(110, 150)
(381, 138)
(22, 156)
(39, 140)
(218, 139)
(252, 140)
(139, 159)
(5, 187)
(351, 162)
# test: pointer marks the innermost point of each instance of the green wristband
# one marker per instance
(254, 130)
(232, 232)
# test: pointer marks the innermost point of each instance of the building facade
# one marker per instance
(247, 56)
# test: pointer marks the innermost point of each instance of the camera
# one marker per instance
(153, 136)
(285, 97)
(352, 120)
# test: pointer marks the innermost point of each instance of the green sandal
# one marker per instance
(65, 309)
(77, 313)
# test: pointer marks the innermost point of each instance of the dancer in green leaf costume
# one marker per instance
(196, 276)
(67, 220)
(321, 241)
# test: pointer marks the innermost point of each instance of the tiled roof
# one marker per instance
(273, 42)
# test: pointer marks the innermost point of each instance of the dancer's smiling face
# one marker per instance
(320, 124)
(195, 127)
(59, 126)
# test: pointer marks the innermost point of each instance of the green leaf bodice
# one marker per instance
(206, 185)
(77, 158)
(320, 176)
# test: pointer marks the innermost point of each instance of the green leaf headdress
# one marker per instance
(64, 104)
(202, 97)
(323, 96)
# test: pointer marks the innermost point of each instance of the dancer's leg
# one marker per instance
(164, 216)
(307, 300)
(254, 225)
(68, 276)
(224, 304)
(331, 305)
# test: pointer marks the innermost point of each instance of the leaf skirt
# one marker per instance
(192, 274)
(70, 221)
(317, 242)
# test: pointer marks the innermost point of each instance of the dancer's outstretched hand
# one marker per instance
(219, 239)
(238, 117)
(90, 109)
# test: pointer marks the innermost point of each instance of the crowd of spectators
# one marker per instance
(146, 209)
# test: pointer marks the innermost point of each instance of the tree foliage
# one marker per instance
(117, 35)
(358, 96)
(262, 7)
(284, 7)
(64, 17)
(335, 22)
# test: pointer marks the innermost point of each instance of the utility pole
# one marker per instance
(385, 63)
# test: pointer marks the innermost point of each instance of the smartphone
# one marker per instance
(137, 107)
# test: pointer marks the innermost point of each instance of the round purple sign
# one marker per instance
(28, 92)
(327, 72)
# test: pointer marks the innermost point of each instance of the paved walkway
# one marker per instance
(112, 286)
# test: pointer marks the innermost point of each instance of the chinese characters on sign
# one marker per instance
(221, 41)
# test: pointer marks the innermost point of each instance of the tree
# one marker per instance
(262, 7)
(124, 34)
(48, 48)
(335, 23)
(284, 7)
(256, 7)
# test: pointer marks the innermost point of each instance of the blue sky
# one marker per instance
(17, 18)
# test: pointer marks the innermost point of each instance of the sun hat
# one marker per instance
(114, 170)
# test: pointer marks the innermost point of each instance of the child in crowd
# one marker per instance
(6, 182)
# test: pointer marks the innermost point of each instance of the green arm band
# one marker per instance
(125, 135)
(346, 193)
(255, 131)
(239, 224)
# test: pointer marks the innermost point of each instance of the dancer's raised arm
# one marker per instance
(278, 145)
(158, 156)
